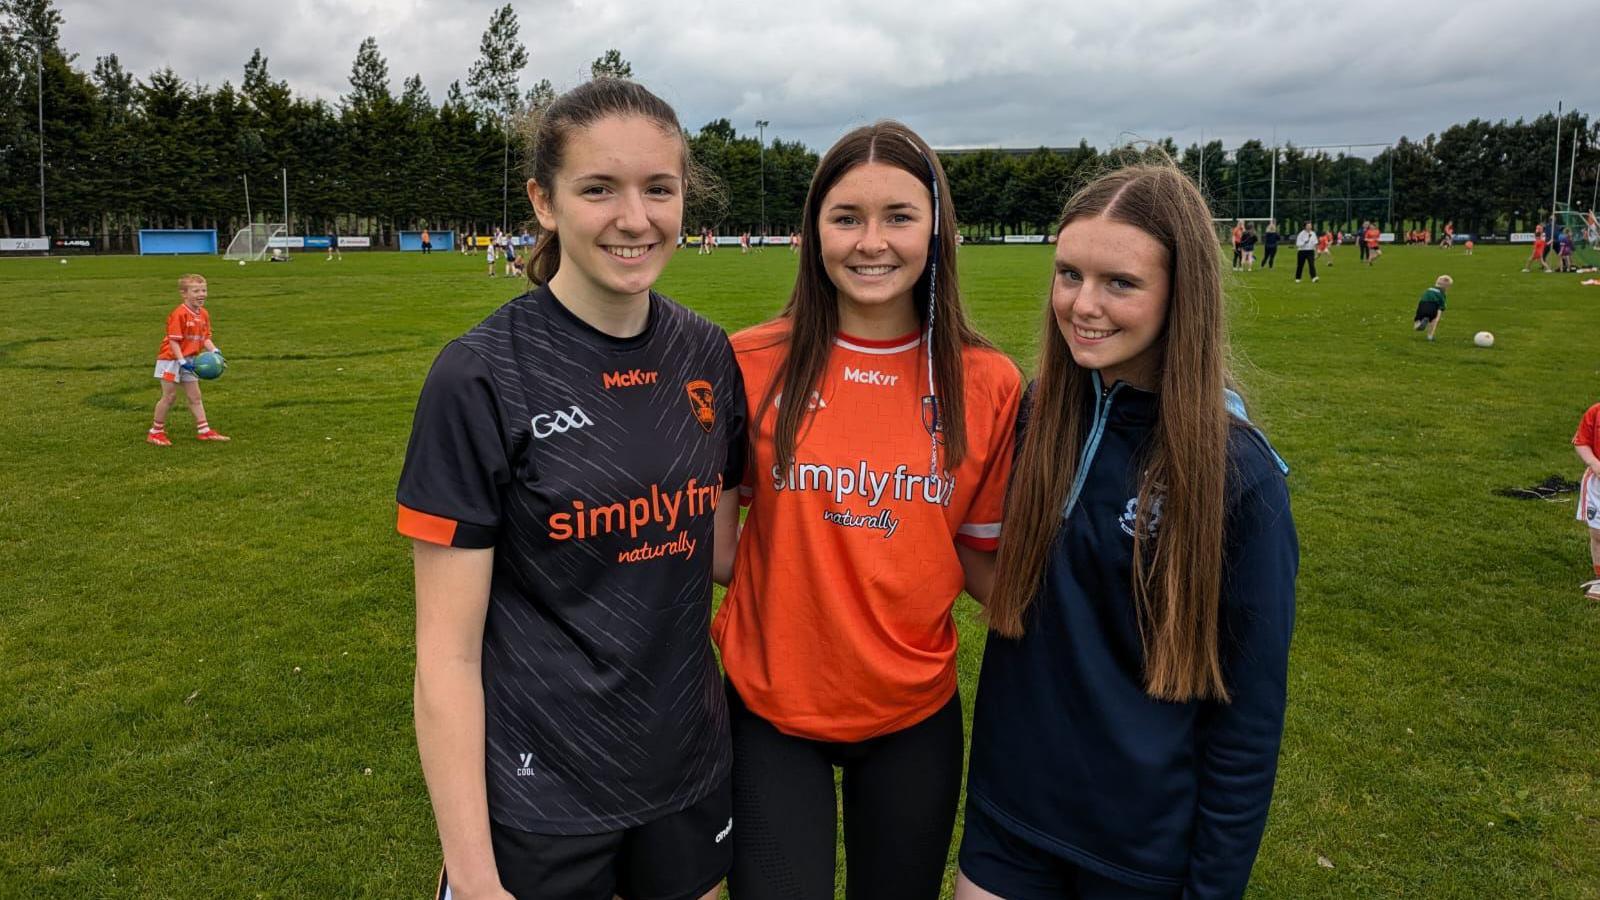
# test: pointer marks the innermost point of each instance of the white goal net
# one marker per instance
(252, 243)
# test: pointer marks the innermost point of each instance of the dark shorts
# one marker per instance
(1427, 311)
(677, 857)
(1001, 863)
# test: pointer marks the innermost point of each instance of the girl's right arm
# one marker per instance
(1588, 457)
(452, 603)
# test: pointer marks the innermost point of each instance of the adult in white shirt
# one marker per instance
(1305, 245)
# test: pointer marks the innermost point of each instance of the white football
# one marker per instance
(241, 262)
(1483, 339)
(63, 262)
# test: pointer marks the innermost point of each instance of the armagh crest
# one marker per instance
(702, 403)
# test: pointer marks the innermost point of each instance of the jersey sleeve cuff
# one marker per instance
(983, 536)
(414, 523)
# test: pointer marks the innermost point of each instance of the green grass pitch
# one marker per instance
(206, 651)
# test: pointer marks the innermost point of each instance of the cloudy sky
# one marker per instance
(986, 73)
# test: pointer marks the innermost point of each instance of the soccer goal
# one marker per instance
(252, 243)
(1585, 233)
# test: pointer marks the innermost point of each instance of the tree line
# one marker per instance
(123, 153)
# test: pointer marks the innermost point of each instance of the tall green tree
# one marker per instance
(493, 81)
(611, 65)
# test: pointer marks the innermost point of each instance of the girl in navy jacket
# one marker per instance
(1129, 712)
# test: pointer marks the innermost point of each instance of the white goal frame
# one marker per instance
(252, 243)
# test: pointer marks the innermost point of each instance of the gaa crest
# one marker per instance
(702, 403)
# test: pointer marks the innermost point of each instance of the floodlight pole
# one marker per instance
(1391, 186)
(1571, 168)
(1272, 190)
(1313, 161)
(1555, 174)
(761, 128)
(38, 70)
(286, 229)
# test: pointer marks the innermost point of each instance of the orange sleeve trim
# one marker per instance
(425, 527)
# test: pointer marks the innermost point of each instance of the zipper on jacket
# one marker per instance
(1102, 412)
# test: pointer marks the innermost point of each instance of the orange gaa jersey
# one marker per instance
(189, 327)
(1588, 434)
(837, 624)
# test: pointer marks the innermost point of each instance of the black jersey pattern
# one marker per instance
(593, 466)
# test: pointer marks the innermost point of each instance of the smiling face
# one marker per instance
(875, 224)
(1109, 298)
(193, 293)
(616, 204)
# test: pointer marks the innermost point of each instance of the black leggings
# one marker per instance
(899, 794)
(1302, 259)
(1272, 254)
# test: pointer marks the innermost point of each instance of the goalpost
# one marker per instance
(1584, 231)
(253, 242)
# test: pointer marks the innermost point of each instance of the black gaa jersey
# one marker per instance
(593, 466)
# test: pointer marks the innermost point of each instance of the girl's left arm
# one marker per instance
(725, 539)
(978, 568)
(1238, 741)
(978, 537)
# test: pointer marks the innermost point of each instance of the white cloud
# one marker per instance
(1001, 72)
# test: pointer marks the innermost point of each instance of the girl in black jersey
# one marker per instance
(563, 486)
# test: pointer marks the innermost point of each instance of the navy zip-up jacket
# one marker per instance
(1070, 754)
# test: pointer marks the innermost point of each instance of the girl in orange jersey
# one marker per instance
(881, 441)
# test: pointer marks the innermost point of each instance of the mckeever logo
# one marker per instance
(869, 376)
(527, 764)
(558, 422)
(630, 378)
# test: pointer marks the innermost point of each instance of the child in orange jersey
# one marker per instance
(1370, 237)
(881, 438)
(1323, 248)
(1539, 249)
(188, 334)
(1586, 442)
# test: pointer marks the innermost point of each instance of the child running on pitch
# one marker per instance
(1538, 250)
(1587, 444)
(1431, 307)
(188, 334)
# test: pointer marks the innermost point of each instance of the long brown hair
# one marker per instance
(1177, 577)
(545, 134)
(813, 308)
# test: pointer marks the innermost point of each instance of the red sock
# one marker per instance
(1597, 570)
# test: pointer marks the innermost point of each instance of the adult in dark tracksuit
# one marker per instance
(1361, 240)
(1305, 246)
(1128, 717)
(1269, 241)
